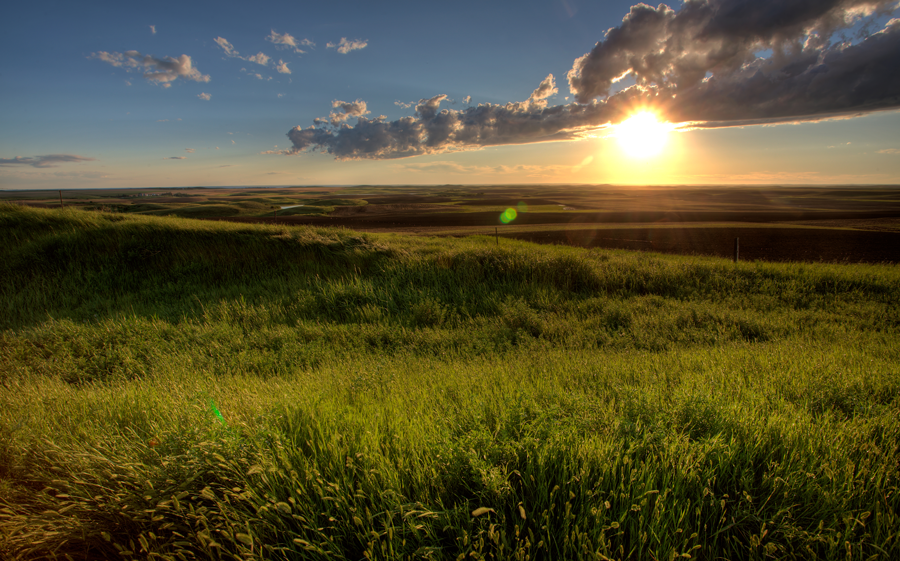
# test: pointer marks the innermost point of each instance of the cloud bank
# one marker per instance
(700, 65)
(48, 161)
(163, 71)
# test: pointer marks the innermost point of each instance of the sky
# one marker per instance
(164, 94)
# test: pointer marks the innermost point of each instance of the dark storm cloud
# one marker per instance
(701, 61)
(698, 65)
(48, 161)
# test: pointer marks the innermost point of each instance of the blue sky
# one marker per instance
(112, 94)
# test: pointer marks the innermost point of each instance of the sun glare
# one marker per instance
(642, 135)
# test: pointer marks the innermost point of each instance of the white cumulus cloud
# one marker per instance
(204, 96)
(282, 67)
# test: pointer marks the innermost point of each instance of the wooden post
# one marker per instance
(275, 213)
(737, 245)
(497, 234)
(60, 199)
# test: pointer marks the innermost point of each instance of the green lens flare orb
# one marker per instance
(508, 215)
(215, 410)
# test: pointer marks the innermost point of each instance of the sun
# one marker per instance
(642, 135)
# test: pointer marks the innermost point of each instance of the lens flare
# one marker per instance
(215, 410)
(508, 215)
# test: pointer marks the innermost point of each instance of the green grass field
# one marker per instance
(181, 389)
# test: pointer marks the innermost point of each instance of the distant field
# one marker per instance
(839, 224)
(173, 388)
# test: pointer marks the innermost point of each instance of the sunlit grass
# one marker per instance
(183, 389)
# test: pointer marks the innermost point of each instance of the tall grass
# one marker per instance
(183, 390)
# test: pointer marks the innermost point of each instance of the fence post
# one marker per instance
(60, 199)
(737, 245)
(497, 235)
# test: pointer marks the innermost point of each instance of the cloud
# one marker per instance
(467, 100)
(434, 130)
(259, 58)
(163, 71)
(889, 151)
(48, 161)
(698, 66)
(287, 41)
(189, 150)
(346, 46)
(700, 63)
(204, 96)
(348, 109)
(282, 67)
(153, 29)
(226, 46)
(538, 98)
(176, 158)
(403, 104)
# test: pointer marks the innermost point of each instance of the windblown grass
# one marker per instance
(188, 390)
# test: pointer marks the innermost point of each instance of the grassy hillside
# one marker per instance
(179, 389)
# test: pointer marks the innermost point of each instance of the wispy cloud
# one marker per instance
(47, 161)
(259, 58)
(189, 150)
(698, 66)
(163, 71)
(153, 29)
(345, 46)
(204, 96)
(404, 104)
(889, 151)
(226, 46)
(176, 158)
(288, 41)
